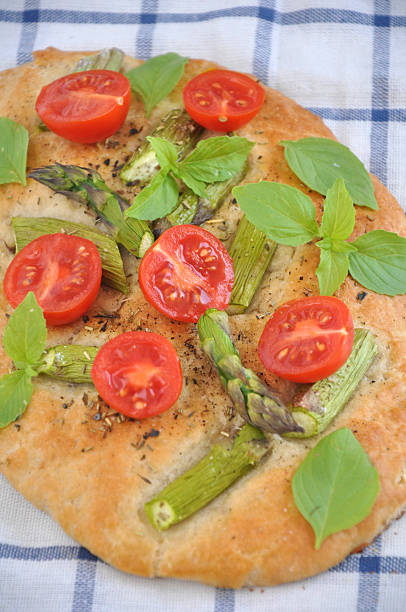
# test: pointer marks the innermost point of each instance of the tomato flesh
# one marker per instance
(64, 273)
(85, 106)
(138, 374)
(308, 339)
(185, 272)
(222, 100)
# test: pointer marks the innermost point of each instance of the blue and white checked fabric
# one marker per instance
(346, 61)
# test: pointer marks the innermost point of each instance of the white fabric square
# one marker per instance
(324, 592)
(323, 68)
(37, 586)
(213, 40)
(115, 590)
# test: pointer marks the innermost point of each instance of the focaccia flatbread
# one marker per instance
(92, 471)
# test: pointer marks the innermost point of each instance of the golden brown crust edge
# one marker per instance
(94, 481)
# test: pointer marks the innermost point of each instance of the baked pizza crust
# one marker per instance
(94, 476)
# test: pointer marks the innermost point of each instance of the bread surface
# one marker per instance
(93, 475)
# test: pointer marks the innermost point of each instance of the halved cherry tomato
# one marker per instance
(307, 339)
(63, 272)
(85, 106)
(185, 272)
(138, 374)
(222, 100)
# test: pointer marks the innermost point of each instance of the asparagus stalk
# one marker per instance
(328, 396)
(27, 229)
(204, 209)
(176, 127)
(311, 411)
(207, 479)
(107, 59)
(194, 209)
(70, 362)
(255, 402)
(87, 187)
(251, 252)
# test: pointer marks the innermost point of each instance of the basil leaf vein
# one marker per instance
(165, 151)
(156, 78)
(215, 159)
(336, 485)
(331, 271)
(13, 152)
(318, 162)
(379, 263)
(339, 215)
(284, 213)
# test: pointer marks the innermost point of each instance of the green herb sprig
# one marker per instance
(336, 485)
(156, 78)
(213, 160)
(377, 259)
(24, 342)
(318, 162)
(13, 152)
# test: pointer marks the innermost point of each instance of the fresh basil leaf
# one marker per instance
(15, 394)
(196, 186)
(284, 213)
(215, 159)
(166, 152)
(379, 263)
(318, 162)
(336, 485)
(13, 152)
(331, 271)
(156, 78)
(339, 215)
(157, 200)
(26, 333)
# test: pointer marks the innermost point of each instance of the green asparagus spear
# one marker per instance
(107, 59)
(326, 397)
(194, 209)
(27, 229)
(206, 480)
(255, 402)
(176, 127)
(70, 362)
(251, 252)
(87, 187)
(221, 467)
(311, 412)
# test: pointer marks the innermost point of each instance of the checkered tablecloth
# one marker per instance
(346, 61)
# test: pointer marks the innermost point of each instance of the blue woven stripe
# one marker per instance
(84, 581)
(369, 578)
(305, 16)
(386, 115)
(388, 564)
(30, 17)
(363, 563)
(380, 93)
(145, 34)
(43, 553)
(225, 600)
(263, 43)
